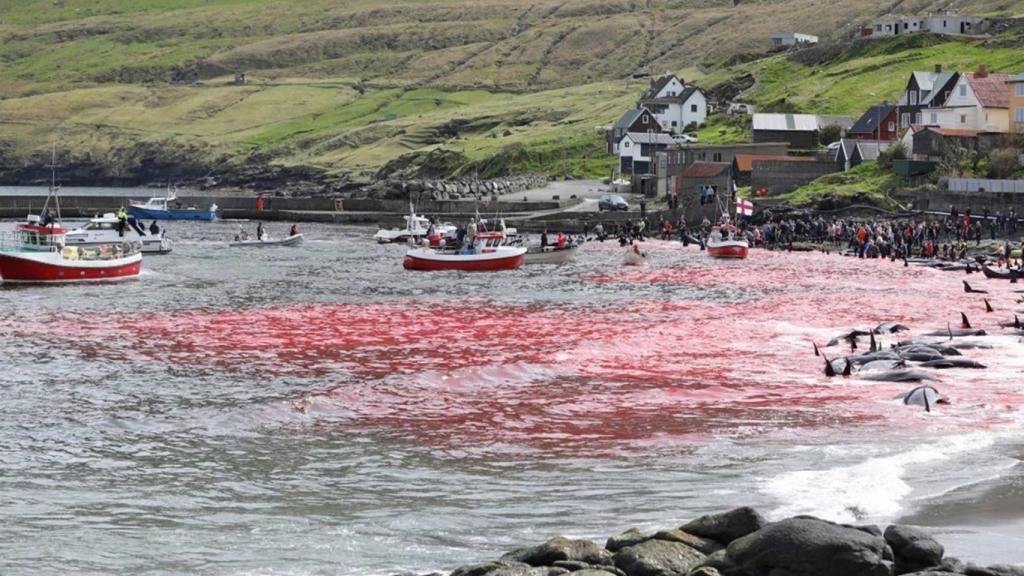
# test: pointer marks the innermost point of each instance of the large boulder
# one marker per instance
(577, 566)
(702, 545)
(658, 558)
(914, 548)
(727, 526)
(630, 537)
(806, 546)
(560, 548)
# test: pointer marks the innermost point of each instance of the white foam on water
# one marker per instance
(875, 489)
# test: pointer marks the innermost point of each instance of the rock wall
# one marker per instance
(420, 190)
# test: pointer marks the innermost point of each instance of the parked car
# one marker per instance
(612, 202)
(740, 108)
(685, 139)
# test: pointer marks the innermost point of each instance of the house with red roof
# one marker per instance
(979, 101)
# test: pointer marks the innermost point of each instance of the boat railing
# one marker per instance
(15, 242)
(102, 251)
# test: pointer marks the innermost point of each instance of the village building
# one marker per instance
(980, 101)
(636, 120)
(674, 104)
(800, 131)
(853, 152)
(925, 90)
(945, 24)
(933, 142)
(709, 177)
(686, 154)
(790, 39)
(637, 150)
(878, 123)
(1016, 103)
(743, 165)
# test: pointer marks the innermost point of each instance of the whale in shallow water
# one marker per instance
(890, 328)
(926, 397)
(944, 363)
(839, 366)
(904, 375)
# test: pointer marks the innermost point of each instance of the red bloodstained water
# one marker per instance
(734, 357)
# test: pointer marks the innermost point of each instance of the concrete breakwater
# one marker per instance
(742, 543)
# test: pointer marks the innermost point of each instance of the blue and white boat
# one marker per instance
(168, 208)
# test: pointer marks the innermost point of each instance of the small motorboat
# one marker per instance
(416, 228)
(634, 257)
(488, 253)
(725, 242)
(551, 254)
(168, 208)
(104, 230)
(293, 240)
(1007, 274)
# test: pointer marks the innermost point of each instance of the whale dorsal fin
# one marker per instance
(874, 345)
(848, 369)
(816, 351)
(988, 306)
(964, 322)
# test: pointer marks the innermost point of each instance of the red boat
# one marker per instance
(488, 254)
(725, 242)
(36, 254)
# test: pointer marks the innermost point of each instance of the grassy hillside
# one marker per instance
(341, 89)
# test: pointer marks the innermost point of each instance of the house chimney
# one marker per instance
(938, 68)
(981, 72)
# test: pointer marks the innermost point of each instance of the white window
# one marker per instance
(905, 120)
(1018, 115)
(963, 118)
(1020, 88)
(625, 144)
(913, 97)
(963, 90)
(645, 119)
(892, 126)
(934, 118)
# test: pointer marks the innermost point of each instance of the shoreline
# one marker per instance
(741, 542)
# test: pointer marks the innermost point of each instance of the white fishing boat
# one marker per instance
(104, 230)
(267, 242)
(551, 254)
(726, 242)
(416, 227)
(487, 254)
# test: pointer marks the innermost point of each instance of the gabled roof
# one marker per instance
(936, 93)
(925, 80)
(706, 169)
(658, 86)
(650, 138)
(798, 122)
(628, 118)
(680, 98)
(990, 89)
(954, 132)
(745, 162)
(869, 122)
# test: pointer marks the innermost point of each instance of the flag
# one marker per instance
(744, 207)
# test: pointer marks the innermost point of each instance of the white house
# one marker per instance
(637, 149)
(674, 104)
(947, 24)
(792, 39)
(979, 101)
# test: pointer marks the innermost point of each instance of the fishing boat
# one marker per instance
(293, 240)
(634, 257)
(168, 208)
(36, 253)
(416, 228)
(550, 254)
(1007, 274)
(487, 254)
(725, 242)
(104, 230)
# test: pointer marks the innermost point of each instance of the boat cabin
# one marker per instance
(488, 242)
(33, 235)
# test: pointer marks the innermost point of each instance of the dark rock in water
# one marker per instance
(728, 526)
(658, 558)
(951, 564)
(806, 546)
(914, 548)
(994, 570)
(561, 548)
(630, 537)
(702, 545)
(506, 568)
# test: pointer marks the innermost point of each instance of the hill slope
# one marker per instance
(338, 90)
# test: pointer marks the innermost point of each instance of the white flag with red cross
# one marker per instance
(744, 207)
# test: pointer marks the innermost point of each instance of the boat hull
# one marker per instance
(998, 275)
(295, 240)
(430, 261)
(733, 250)
(50, 268)
(550, 255)
(151, 214)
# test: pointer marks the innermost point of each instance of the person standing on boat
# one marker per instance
(259, 231)
(122, 221)
(295, 230)
(154, 229)
(544, 238)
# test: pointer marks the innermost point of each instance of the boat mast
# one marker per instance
(52, 193)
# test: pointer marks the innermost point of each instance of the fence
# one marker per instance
(977, 185)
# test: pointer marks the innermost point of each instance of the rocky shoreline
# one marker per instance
(742, 543)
